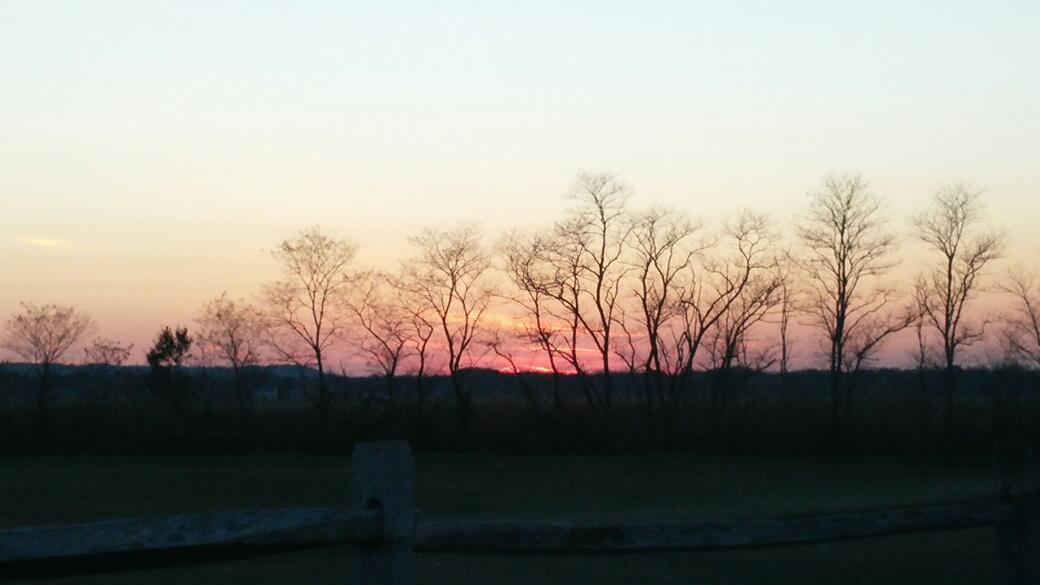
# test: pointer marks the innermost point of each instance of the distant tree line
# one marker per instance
(606, 300)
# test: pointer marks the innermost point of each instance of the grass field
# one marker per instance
(39, 491)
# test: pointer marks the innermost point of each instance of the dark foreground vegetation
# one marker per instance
(126, 410)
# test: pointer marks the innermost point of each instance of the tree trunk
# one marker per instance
(423, 425)
(420, 392)
(556, 391)
(835, 386)
(245, 420)
(719, 388)
(390, 387)
(463, 406)
(323, 401)
(43, 404)
(949, 382)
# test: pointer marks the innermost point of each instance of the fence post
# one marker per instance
(383, 477)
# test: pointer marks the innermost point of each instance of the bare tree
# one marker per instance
(662, 249)
(714, 284)
(729, 340)
(949, 227)
(421, 331)
(589, 266)
(756, 298)
(846, 249)
(302, 306)
(233, 332)
(1023, 324)
(42, 335)
(528, 267)
(385, 326)
(449, 277)
(566, 289)
(106, 352)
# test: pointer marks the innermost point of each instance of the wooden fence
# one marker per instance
(381, 521)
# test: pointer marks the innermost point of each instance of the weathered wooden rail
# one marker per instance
(381, 522)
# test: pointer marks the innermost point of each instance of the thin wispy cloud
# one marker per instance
(56, 244)
(41, 242)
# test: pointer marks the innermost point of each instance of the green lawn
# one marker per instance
(39, 491)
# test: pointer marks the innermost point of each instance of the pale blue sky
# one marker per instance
(158, 147)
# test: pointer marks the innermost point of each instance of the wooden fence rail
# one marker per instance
(381, 522)
(100, 546)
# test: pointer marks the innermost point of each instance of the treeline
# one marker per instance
(628, 313)
(101, 410)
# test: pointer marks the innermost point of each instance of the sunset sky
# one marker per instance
(151, 151)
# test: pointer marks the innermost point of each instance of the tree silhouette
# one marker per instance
(587, 254)
(42, 335)
(728, 343)
(1023, 324)
(304, 307)
(171, 348)
(528, 268)
(386, 331)
(421, 329)
(846, 249)
(106, 352)
(448, 277)
(713, 284)
(949, 227)
(233, 332)
(663, 247)
(165, 358)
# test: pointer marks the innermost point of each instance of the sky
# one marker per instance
(150, 152)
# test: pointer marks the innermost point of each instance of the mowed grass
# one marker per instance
(658, 487)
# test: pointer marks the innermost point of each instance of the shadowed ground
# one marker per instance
(38, 491)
